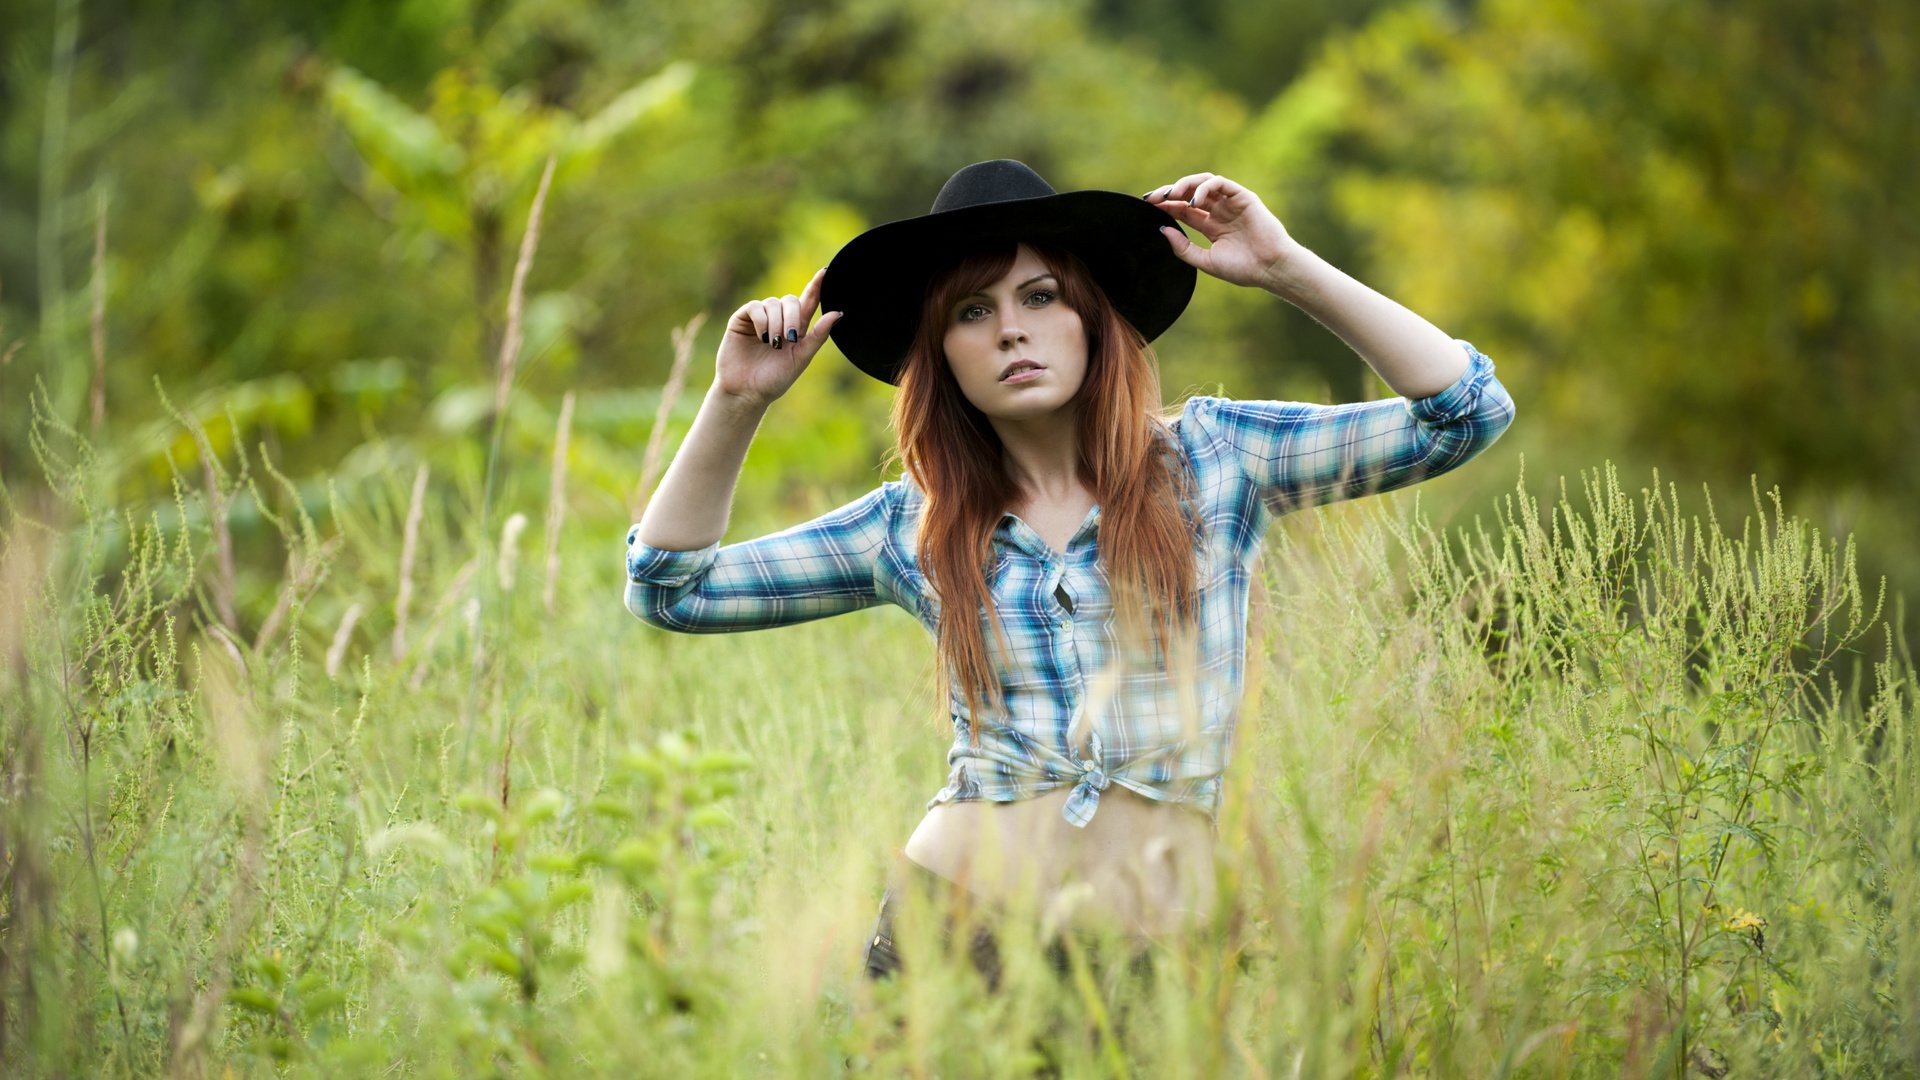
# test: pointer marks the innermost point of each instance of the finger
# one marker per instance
(1176, 190)
(776, 320)
(1186, 250)
(1191, 215)
(1168, 192)
(756, 314)
(816, 337)
(1213, 187)
(790, 308)
(810, 296)
(1182, 189)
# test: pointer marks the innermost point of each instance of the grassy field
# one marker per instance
(1619, 784)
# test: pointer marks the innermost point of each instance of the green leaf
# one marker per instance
(555, 862)
(271, 969)
(720, 762)
(665, 89)
(255, 999)
(643, 763)
(323, 1001)
(611, 807)
(403, 145)
(543, 806)
(567, 894)
(495, 929)
(475, 802)
(635, 855)
(502, 961)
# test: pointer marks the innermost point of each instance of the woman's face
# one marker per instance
(1017, 351)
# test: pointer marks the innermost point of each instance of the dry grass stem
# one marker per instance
(100, 313)
(283, 603)
(516, 296)
(462, 579)
(683, 338)
(245, 758)
(409, 547)
(6, 357)
(229, 645)
(223, 582)
(510, 549)
(472, 613)
(337, 652)
(303, 578)
(13, 346)
(557, 499)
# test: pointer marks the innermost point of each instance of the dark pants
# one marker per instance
(983, 949)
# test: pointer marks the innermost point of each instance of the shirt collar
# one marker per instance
(1021, 535)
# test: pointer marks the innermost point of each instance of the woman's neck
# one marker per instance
(1042, 455)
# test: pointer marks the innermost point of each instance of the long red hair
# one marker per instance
(1127, 459)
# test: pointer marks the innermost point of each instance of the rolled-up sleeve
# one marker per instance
(824, 567)
(1300, 455)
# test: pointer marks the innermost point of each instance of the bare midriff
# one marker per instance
(1140, 866)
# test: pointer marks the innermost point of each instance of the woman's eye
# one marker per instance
(1045, 296)
(967, 313)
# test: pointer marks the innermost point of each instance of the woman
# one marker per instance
(1083, 563)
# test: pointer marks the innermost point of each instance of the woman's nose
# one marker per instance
(1010, 332)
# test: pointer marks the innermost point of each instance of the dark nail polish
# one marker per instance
(793, 335)
(776, 343)
(763, 337)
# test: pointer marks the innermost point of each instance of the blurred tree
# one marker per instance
(326, 192)
(1254, 50)
(1695, 214)
(477, 153)
(1687, 228)
(1684, 230)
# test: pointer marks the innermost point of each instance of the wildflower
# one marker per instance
(1751, 923)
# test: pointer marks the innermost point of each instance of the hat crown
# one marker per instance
(999, 180)
(879, 279)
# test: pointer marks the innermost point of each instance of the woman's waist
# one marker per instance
(1138, 862)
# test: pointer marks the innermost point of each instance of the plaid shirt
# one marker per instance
(1075, 710)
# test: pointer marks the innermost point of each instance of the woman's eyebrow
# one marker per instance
(1022, 285)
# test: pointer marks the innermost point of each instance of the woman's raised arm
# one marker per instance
(1251, 247)
(766, 345)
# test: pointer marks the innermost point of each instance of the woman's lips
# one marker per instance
(1022, 375)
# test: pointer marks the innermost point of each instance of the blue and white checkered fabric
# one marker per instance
(1078, 711)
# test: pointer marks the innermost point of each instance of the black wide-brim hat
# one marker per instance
(879, 279)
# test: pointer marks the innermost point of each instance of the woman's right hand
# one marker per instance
(767, 344)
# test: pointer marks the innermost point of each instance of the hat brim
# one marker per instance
(879, 279)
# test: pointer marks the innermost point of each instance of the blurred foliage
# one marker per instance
(1697, 214)
(1683, 231)
(1572, 793)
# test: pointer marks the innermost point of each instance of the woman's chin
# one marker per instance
(1025, 410)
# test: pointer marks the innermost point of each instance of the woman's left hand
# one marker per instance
(1250, 246)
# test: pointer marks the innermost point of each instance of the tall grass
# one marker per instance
(1600, 787)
